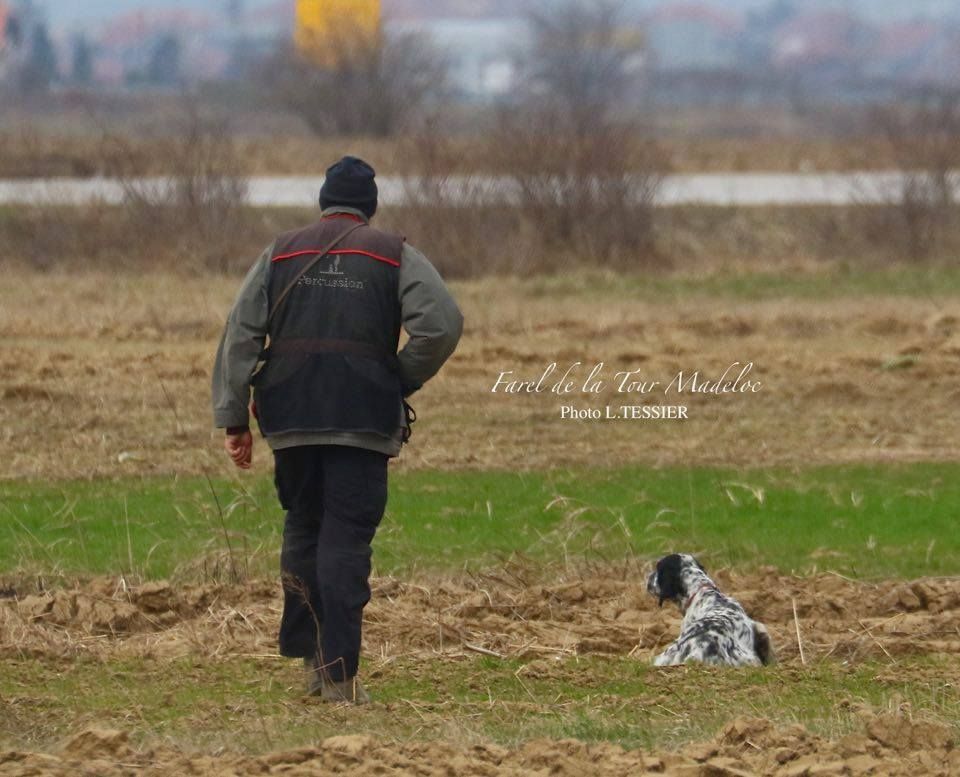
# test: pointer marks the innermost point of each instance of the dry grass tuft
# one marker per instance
(516, 611)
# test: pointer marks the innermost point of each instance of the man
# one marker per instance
(329, 399)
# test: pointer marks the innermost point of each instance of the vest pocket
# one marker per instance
(328, 392)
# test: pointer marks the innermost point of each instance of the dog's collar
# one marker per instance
(702, 587)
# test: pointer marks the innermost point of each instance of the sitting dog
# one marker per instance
(715, 628)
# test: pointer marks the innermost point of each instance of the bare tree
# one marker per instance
(573, 148)
(447, 209)
(363, 84)
(583, 60)
(923, 139)
(199, 210)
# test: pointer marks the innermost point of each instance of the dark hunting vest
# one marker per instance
(331, 363)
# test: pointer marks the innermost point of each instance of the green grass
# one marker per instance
(255, 706)
(868, 521)
(832, 281)
(864, 521)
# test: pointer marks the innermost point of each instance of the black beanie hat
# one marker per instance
(350, 182)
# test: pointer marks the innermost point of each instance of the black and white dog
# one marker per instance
(715, 628)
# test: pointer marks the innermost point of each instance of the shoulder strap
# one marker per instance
(306, 268)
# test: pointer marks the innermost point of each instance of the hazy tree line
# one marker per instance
(40, 68)
(578, 162)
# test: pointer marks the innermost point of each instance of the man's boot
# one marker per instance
(349, 691)
(320, 684)
(314, 675)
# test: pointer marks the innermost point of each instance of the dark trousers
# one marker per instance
(334, 497)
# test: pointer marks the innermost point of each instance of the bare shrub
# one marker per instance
(552, 200)
(198, 211)
(365, 85)
(590, 192)
(29, 152)
(579, 168)
(921, 217)
(450, 211)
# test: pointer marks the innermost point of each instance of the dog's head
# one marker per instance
(675, 577)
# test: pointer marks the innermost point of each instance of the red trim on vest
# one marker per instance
(296, 253)
(338, 251)
(343, 216)
(366, 253)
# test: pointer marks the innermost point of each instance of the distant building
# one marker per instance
(916, 52)
(479, 51)
(822, 39)
(692, 36)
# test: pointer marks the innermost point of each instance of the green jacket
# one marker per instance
(429, 316)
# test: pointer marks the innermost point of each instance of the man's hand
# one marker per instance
(240, 448)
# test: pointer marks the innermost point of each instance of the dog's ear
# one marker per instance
(669, 579)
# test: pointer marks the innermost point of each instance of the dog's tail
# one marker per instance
(762, 645)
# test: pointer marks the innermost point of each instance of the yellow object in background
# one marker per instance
(320, 22)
